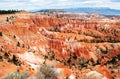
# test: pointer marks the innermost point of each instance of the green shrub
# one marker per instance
(93, 75)
(16, 75)
(46, 72)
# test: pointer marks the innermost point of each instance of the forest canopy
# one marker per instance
(9, 11)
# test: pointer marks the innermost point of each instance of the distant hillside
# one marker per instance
(51, 10)
(103, 11)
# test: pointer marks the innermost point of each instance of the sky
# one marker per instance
(57, 4)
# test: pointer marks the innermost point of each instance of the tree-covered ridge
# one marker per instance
(8, 11)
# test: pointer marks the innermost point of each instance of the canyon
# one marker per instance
(74, 45)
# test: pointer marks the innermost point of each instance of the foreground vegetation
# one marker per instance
(44, 72)
(16, 75)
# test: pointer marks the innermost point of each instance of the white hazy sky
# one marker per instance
(57, 4)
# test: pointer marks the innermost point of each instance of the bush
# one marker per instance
(16, 75)
(0, 33)
(46, 72)
(93, 75)
(18, 44)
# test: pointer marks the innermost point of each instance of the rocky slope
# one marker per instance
(76, 48)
